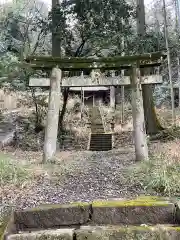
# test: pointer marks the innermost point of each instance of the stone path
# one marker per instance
(85, 177)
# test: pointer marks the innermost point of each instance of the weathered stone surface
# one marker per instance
(87, 81)
(138, 211)
(60, 234)
(49, 216)
(6, 221)
(128, 233)
(47, 62)
(177, 213)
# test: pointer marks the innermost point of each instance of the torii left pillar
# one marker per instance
(51, 130)
(140, 140)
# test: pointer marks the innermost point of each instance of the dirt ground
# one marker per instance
(78, 176)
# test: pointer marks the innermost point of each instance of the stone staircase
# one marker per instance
(99, 139)
(144, 218)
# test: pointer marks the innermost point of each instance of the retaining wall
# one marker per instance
(138, 219)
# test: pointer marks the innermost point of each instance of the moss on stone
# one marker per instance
(60, 234)
(125, 233)
(3, 225)
(140, 201)
(80, 66)
(144, 228)
(56, 206)
(131, 58)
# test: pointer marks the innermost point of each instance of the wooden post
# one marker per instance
(179, 78)
(112, 93)
(122, 87)
(51, 130)
(140, 141)
(122, 104)
(82, 102)
(93, 100)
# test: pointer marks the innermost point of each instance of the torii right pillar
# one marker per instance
(140, 140)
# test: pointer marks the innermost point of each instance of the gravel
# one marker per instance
(87, 176)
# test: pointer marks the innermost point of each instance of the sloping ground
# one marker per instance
(7, 127)
(82, 176)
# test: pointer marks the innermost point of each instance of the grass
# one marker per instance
(160, 175)
(13, 172)
(25, 169)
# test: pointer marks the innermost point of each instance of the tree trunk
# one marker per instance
(140, 141)
(169, 62)
(178, 78)
(122, 87)
(66, 92)
(56, 42)
(52, 116)
(63, 110)
(151, 123)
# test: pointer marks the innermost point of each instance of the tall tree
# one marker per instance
(91, 33)
(177, 29)
(169, 60)
(56, 28)
(151, 121)
(51, 132)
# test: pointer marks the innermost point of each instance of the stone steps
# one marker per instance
(99, 140)
(142, 218)
(161, 232)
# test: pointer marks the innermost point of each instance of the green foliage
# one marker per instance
(158, 175)
(86, 28)
(23, 29)
(92, 29)
(41, 106)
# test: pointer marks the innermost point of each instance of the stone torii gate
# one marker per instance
(133, 64)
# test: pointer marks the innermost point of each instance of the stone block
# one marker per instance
(7, 225)
(133, 212)
(50, 216)
(128, 233)
(177, 212)
(58, 234)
